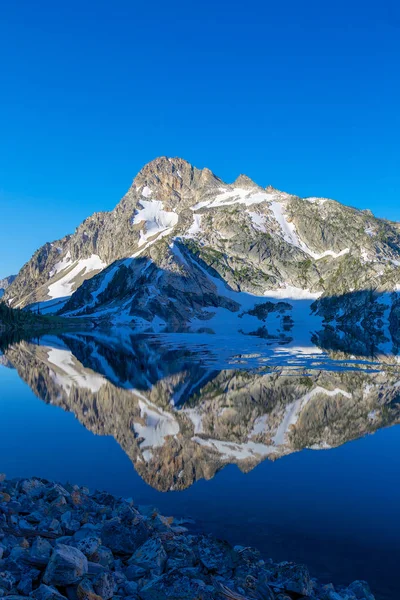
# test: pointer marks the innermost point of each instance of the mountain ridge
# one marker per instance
(200, 239)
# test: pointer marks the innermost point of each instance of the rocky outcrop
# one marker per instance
(130, 554)
(5, 283)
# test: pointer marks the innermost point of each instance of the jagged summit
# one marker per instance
(243, 181)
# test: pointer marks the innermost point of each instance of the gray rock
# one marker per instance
(121, 539)
(173, 586)
(133, 572)
(215, 555)
(151, 556)
(40, 551)
(104, 557)
(104, 585)
(131, 588)
(33, 488)
(88, 541)
(7, 580)
(45, 592)
(292, 577)
(361, 590)
(67, 565)
(70, 524)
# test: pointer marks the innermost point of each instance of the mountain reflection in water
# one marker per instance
(184, 406)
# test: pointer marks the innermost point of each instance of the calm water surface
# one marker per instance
(292, 449)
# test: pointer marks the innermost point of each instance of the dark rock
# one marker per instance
(45, 592)
(173, 585)
(131, 588)
(215, 555)
(69, 524)
(104, 557)
(85, 591)
(33, 488)
(361, 590)
(40, 551)
(151, 556)
(7, 580)
(67, 565)
(105, 585)
(133, 572)
(292, 577)
(121, 539)
(87, 540)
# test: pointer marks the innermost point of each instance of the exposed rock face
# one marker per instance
(182, 243)
(179, 421)
(5, 283)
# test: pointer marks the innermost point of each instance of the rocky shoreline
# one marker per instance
(62, 541)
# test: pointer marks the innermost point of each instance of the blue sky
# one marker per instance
(303, 96)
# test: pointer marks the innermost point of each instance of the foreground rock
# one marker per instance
(63, 542)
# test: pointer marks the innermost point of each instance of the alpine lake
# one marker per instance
(288, 446)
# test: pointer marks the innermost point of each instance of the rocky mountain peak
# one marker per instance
(243, 181)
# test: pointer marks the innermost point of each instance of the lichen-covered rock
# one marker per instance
(104, 585)
(151, 556)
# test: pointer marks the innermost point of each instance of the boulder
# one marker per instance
(40, 551)
(292, 577)
(67, 565)
(122, 539)
(87, 540)
(151, 556)
(216, 556)
(361, 590)
(45, 592)
(104, 585)
(175, 586)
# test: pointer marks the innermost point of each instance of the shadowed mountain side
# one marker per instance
(181, 292)
(187, 421)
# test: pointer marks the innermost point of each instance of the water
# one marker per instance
(290, 448)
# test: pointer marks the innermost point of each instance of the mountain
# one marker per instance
(5, 283)
(183, 249)
(179, 420)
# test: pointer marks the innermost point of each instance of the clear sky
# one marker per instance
(304, 96)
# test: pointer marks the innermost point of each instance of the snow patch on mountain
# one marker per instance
(64, 286)
(239, 196)
(294, 409)
(231, 450)
(146, 192)
(195, 227)
(158, 425)
(155, 218)
(61, 265)
(68, 374)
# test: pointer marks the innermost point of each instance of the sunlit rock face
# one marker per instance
(180, 417)
(185, 250)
